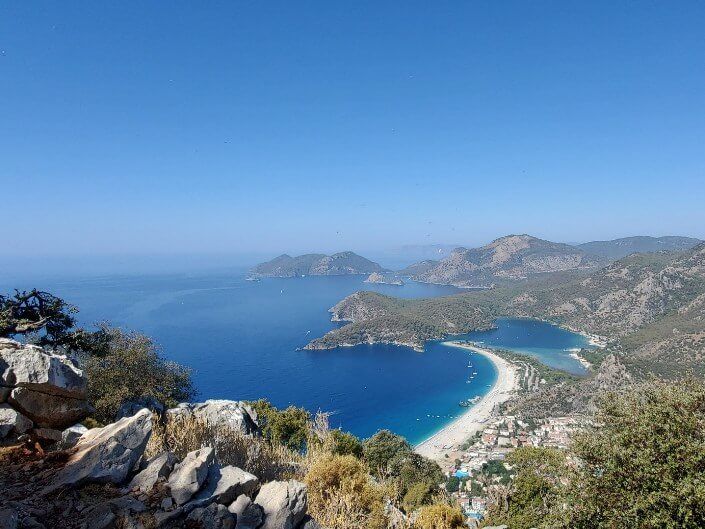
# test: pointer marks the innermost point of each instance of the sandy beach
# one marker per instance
(448, 440)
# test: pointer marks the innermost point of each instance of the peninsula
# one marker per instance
(382, 279)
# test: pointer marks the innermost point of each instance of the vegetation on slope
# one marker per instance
(640, 466)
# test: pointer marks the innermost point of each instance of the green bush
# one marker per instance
(344, 443)
(644, 466)
(288, 427)
(129, 367)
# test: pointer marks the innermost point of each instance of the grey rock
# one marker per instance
(47, 410)
(188, 476)
(100, 517)
(130, 407)
(106, 455)
(163, 518)
(233, 415)
(32, 367)
(12, 422)
(309, 523)
(239, 505)
(284, 504)
(71, 435)
(167, 504)
(48, 435)
(160, 466)
(251, 518)
(9, 519)
(214, 516)
(223, 485)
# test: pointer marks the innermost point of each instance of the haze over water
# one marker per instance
(241, 339)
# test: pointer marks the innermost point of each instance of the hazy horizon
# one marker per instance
(144, 129)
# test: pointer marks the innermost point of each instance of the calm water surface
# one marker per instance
(241, 340)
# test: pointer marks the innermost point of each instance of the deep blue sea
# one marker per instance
(241, 339)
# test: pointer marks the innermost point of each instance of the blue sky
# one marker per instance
(131, 128)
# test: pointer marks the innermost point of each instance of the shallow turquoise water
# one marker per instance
(241, 340)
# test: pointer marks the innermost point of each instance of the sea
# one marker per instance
(243, 339)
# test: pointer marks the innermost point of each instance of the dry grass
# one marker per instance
(250, 453)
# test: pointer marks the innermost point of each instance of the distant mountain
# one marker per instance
(417, 269)
(505, 259)
(343, 263)
(618, 248)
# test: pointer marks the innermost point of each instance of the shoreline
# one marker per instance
(448, 439)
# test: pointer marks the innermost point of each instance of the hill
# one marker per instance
(509, 258)
(343, 263)
(618, 248)
(651, 307)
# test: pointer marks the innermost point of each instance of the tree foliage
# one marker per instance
(288, 427)
(344, 443)
(128, 366)
(644, 466)
(47, 319)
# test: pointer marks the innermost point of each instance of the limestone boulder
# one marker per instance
(224, 485)
(240, 504)
(251, 517)
(106, 455)
(32, 367)
(70, 436)
(188, 477)
(160, 466)
(214, 516)
(49, 410)
(284, 504)
(236, 416)
(12, 422)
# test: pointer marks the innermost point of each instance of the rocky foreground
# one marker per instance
(54, 474)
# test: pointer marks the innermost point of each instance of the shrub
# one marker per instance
(288, 427)
(418, 495)
(341, 495)
(440, 516)
(129, 367)
(643, 467)
(453, 484)
(381, 448)
(344, 443)
(534, 496)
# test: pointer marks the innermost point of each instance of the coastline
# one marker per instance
(449, 438)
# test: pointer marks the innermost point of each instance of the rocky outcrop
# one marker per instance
(233, 415)
(284, 504)
(106, 455)
(224, 485)
(12, 422)
(49, 411)
(34, 368)
(159, 466)
(189, 475)
(40, 386)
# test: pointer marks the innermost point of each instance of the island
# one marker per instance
(342, 263)
(383, 279)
